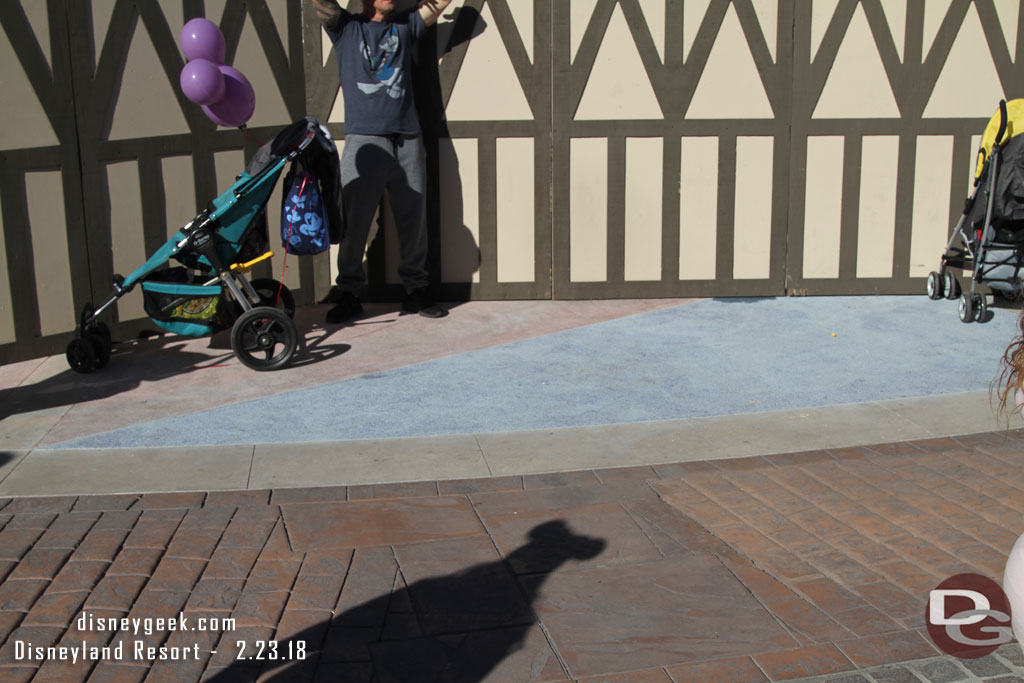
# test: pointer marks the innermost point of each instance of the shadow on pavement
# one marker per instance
(456, 628)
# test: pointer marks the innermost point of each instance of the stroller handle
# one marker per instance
(1003, 118)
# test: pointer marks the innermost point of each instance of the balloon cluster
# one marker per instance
(225, 95)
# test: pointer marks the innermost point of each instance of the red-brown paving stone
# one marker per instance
(317, 494)
(250, 528)
(315, 592)
(733, 670)
(239, 648)
(121, 501)
(360, 523)
(811, 660)
(149, 532)
(67, 532)
(347, 673)
(169, 500)
(101, 544)
(775, 559)
(887, 649)
(683, 470)
(18, 674)
(8, 622)
(31, 637)
(118, 519)
(560, 479)
(116, 592)
(894, 601)
(41, 504)
(253, 497)
(194, 544)
(909, 577)
(230, 675)
(135, 562)
(277, 546)
(418, 489)
(175, 574)
(55, 609)
(269, 575)
(648, 676)
(231, 563)
(799, 458)
(840, 566)
(19, 595)
(215, 595)
(616, 475)
(106, 672)
(31, 520)
(260, 609)
(372, 574)
(213, 519)
(14, 543)
(307, 626)
(40, 564)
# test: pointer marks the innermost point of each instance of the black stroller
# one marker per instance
(989, 238)
(216, 249)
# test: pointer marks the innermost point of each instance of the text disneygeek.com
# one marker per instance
(143, 650)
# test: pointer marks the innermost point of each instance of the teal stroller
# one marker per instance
(209, 291)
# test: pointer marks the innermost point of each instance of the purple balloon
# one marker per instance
(238, 103)
(202, 39)
(202, 82)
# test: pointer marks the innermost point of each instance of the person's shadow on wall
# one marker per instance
(463, 625)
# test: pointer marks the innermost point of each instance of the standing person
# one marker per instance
(383, 149)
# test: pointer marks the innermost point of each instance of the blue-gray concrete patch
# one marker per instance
(708, 358)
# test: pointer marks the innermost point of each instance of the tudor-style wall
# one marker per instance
(577, 148)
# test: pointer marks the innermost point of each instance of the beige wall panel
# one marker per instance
(934, 12)
(821, 14)
(516, 215)
(644, 173)
(896, 16)
(25, 122)
(969, 84)
(487, 88)
(581, 10)
(251, 60)
(931, 203)
(693, 15)
(730, 70)
(6, 312)
(146, 105)
(857, 87)
(588, 210)
(179, 192)
(228, 165)
(698, 209)
(102, 10)
(126, 232)
(522, 12)
(48, 226)
(768, 17)
(326, 46)
(654, 14)
(1009, 14)
(460, 210)
(877, 226)
(618, 87)
(37, 15)
(753, 231)
(823, 207)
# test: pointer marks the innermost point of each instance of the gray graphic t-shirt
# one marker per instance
(374, 67)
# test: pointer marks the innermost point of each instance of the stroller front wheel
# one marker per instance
(264, 338)
(966, 308)
(950, 285)
(81, 355)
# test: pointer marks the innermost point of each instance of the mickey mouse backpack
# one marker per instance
(305, 228)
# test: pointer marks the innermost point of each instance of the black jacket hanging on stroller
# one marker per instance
(320, 159)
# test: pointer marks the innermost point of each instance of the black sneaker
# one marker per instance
(418, 301)
(348, 307)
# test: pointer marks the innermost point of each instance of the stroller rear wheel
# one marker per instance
(81, 355)
(966, 308)
(264, 338)
(950, 285)
(101, 349)
(934, 286)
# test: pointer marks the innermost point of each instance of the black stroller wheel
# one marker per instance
(966, 308)
(264, 338)
(81, 355)
(267, 288)
(950, 285)
(934, 286)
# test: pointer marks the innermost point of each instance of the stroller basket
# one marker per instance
(185, 309)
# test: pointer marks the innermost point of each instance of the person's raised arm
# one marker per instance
(430, 10)
(329, 12)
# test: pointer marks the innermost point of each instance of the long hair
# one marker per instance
(1011, 377)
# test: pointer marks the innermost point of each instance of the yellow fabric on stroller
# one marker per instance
(1014, 126)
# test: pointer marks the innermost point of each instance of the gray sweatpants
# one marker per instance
(371, 164)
